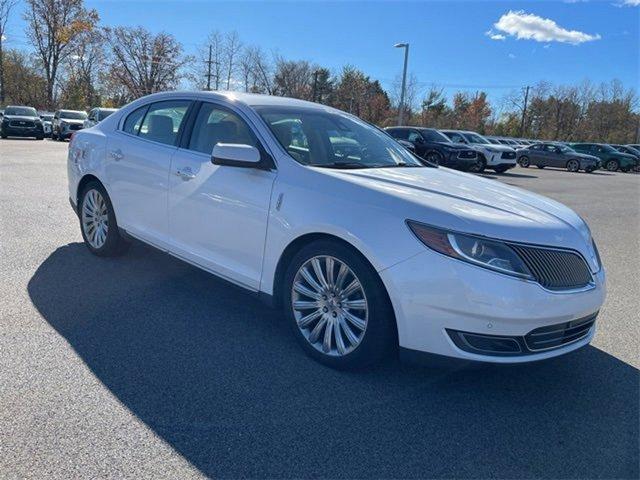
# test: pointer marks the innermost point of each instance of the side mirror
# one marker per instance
(235, 155)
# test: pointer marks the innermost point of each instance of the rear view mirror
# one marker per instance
(235, 155)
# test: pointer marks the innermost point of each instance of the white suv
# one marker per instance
(498, 158)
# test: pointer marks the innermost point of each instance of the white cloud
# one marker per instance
(526, 26)
(631, 3)
(511, 55)
(494, 36)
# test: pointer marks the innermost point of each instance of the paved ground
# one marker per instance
(146, 367)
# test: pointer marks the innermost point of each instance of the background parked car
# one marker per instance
(65, 122)
(19, 121)
(47, 123)
(611, 158)
(96, 115)
(437, 148)
(556, 155)
(498, 158)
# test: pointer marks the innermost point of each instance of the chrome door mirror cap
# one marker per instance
(235, 155)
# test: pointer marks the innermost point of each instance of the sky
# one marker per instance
(473, 45)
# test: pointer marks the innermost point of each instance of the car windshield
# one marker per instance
(73, 115)
(565, 149)
(475, 138)
(102, 114)
(319, 138)
(21, 111)
(608, 148)
(435, 136)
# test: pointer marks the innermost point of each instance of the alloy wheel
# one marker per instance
(329, 305)
(573, 165)
(433, 157)
(524, 162)
(612, 165)
(95, 218)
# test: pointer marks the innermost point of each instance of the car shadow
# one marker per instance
(219, 377)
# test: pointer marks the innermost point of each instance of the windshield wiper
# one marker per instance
(345, 165)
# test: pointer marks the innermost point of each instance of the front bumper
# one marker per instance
(11, 131)
(433, 296)
(460, 163)
(495, 159)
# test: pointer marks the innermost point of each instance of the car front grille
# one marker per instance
(508, 155)
(22, 124)
(467, 154)
(554, 336)
(555, 269)
(75, 126)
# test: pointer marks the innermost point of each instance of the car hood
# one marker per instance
(72, 121)
(495, 148)
(453, 146)
(21, 118)
(462, 202)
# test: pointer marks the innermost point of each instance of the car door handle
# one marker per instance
(116, 154)
(186, 173)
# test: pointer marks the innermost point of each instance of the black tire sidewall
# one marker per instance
(114, 244)
(528, 163)
(380, 336)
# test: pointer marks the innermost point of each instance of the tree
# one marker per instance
(5, 10)
(293, 78)
(24, 83)
(232, 50)
(143, 62)
(54, 28)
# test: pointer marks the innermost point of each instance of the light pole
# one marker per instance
(404, 80)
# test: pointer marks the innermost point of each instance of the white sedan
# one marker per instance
(366, 249)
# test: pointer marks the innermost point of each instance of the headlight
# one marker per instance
(483, 252)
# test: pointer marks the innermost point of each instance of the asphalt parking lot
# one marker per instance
(143, 366)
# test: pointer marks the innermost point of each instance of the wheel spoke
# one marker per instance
(351, 337)
(329, 264)
(353, 287)
(328, 335)
(342, 349)
(304, 305)
(306, 274)
(342, 275)
(317, 330)
(301, 289)
(304, 322)
(355, 304)
(315, 263)
(355, 321)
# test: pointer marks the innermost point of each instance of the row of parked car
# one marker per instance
(24, 121)
(470, 151)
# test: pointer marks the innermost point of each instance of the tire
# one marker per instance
(3, 136)
(95, 198)
(589, 170)
(524, 162)
(540, 166)
(500, 169)
(625, 169)
(357, 344)
(40, 137)
(54, 137)
(433, 157)
(573, 166)
(479, 166)
(612, 166)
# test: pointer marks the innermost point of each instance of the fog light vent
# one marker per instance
(485, 344)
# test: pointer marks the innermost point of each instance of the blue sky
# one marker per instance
(451, 44)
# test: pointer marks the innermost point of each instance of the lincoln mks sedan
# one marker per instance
(367, 250)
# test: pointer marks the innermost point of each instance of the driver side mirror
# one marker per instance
(235, 155)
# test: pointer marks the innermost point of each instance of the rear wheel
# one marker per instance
(573, 165)
(501, 169)
(98, 222)
(524, 162)
(612, 165)
(337, 306)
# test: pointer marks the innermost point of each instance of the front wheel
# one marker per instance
(524, 162)
(573, 166)
(337, 306)
(98, 222)
(478, 166)
(433, 157)
(540, 166)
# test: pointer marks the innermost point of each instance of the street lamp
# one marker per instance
(404, 80)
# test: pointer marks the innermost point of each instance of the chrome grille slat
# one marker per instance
(555, 269)
(554, 336)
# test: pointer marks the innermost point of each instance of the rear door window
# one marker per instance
(163, 120)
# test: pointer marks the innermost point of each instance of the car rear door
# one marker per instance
(218, 214)
(137, 168)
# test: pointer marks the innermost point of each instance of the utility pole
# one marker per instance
(404, 80)
(209, 63)
(524, 111)
(315, 84)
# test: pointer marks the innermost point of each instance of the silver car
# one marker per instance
(96, 115)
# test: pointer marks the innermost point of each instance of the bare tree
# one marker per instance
(83, 69)
(5, 10)
(232, 50)
(54, 29)
(144, 62)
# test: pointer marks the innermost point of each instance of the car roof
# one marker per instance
(74, 111)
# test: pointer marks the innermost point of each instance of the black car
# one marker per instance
(631, 150)
(556, 155)
(437, 148)
(21, 122)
